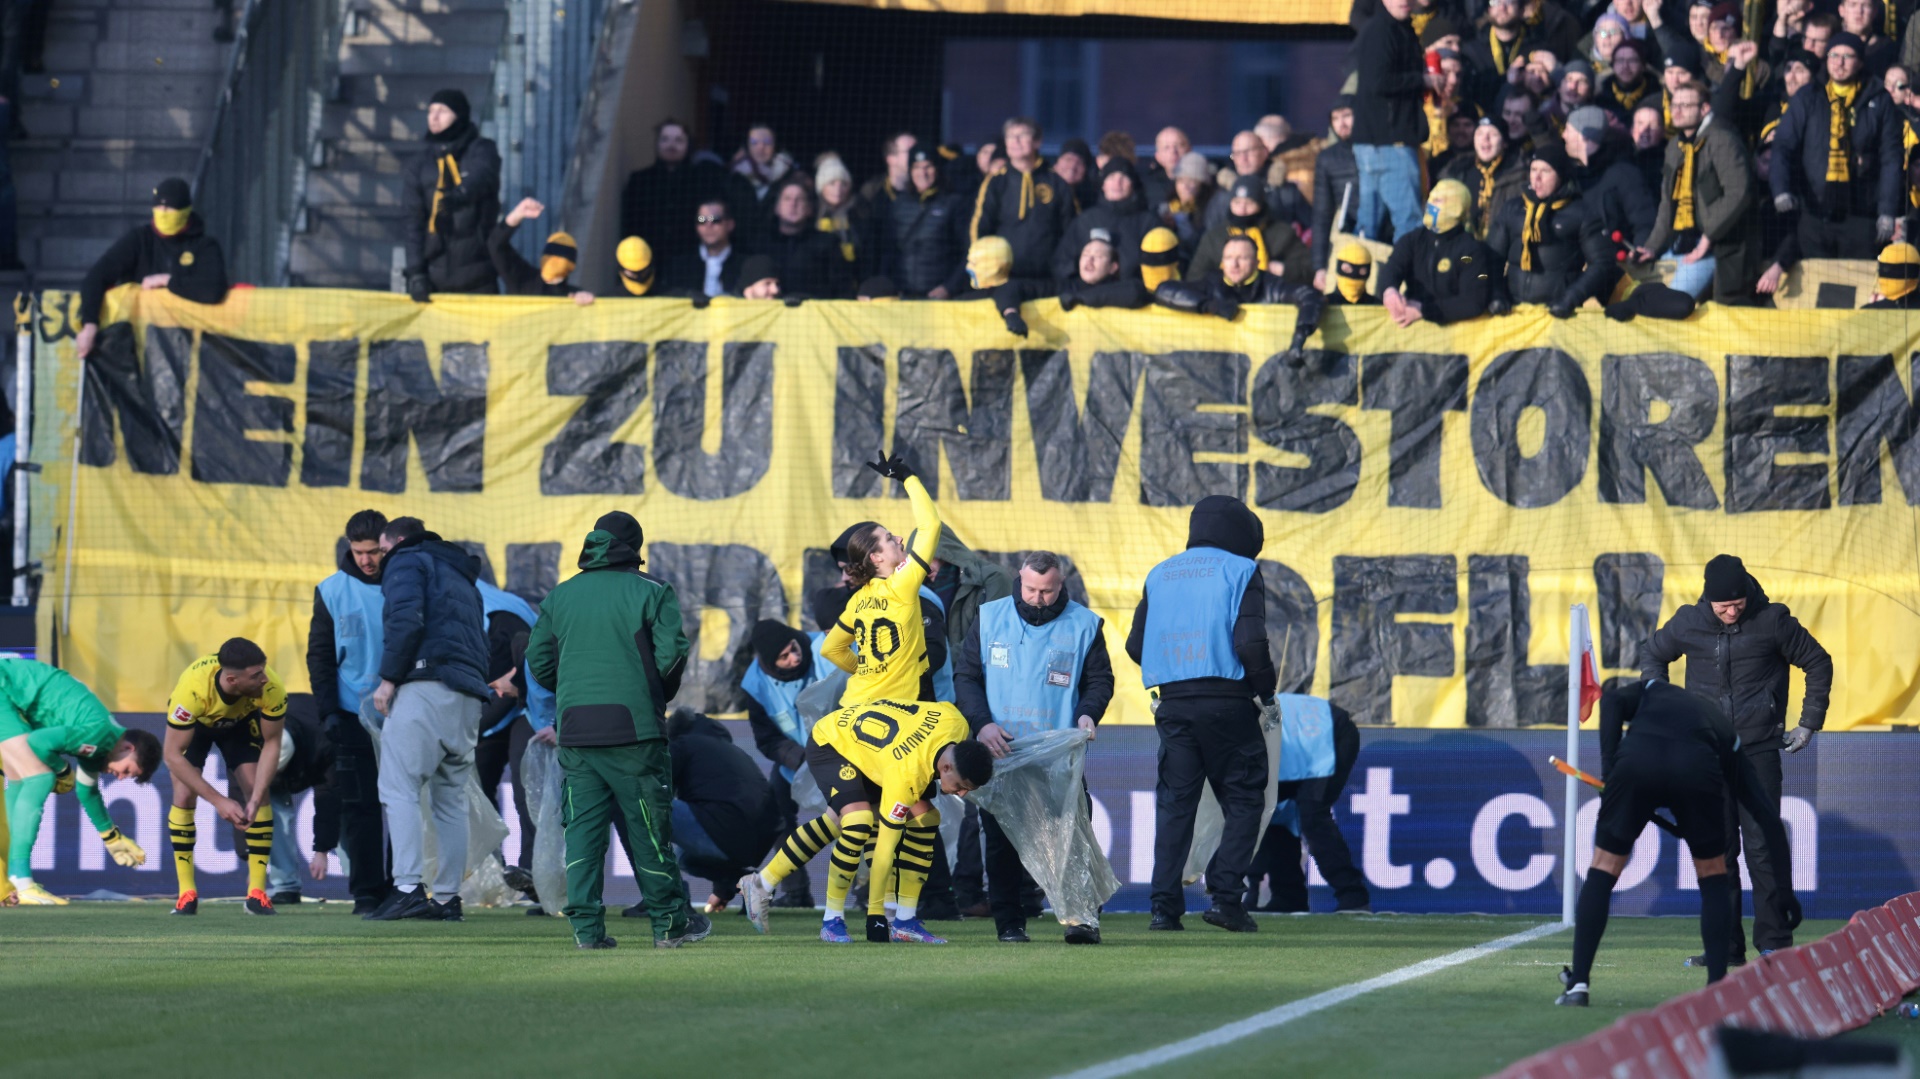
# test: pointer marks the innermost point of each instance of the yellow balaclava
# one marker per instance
(172, 207)
(1351, 266)
(1899, 270)
(635, 257)
(989, 262)
(1159, 257)
(1447, 206)
(558, 258)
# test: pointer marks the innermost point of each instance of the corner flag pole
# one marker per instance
(1578, 644)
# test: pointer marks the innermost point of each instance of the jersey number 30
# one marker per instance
(878, 640)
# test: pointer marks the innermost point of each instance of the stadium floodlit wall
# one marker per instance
(1434, 499)
(1437, 820)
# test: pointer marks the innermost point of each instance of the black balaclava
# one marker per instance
(770, 638)
(1248, 187)
(828, 603)
(462, 115)
(1726, 579)
(1040, 616)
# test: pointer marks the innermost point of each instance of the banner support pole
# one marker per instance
(1576, 655)
(23, 357)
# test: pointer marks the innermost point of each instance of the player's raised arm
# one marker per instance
(925, 541)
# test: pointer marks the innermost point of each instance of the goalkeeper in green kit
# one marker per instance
(46, 714)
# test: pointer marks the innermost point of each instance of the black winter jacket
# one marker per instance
(1575, 259)
(323, 666)
(1745, 666)
(195, 266)
(453, 254)
(521, 278)
(1226, 523)
(970, 674)
(311, 768)
(808, 263)
(1615, 192)
(1393, 76)
(1335, 178)
(922, 242)
(1213, 296)
(434, 627)
(723, 786)
(659, 202)
(1800, 155)
(1034, 235)
(1126, 223)
(1452, 276)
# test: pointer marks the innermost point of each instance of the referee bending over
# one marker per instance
(1661, 745)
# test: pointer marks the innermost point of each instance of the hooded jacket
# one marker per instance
(1031, 216)
(1745, 666)
(1226, 523)
(1614, 192)
(772, 742)
(610, 644)
(452, 250)
(434, 625)
(195, 265)
(723, 787)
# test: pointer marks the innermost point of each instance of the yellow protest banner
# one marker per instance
(1434, 499)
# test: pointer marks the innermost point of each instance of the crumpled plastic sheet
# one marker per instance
(1037, 797)
(540, 770)
(1208, 821)
(485, 884)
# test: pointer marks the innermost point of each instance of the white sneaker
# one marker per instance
(753, 891)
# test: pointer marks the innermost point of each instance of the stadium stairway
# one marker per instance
(394, 56)
(126, 100)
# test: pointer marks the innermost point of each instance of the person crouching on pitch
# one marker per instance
(1661, 745)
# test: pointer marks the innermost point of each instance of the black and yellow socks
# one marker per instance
(856, 838)
(258, 840)
(915, 863)
(798, 849)
(180, 828)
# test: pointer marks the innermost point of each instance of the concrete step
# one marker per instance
(203, 56)
(364, 156)
(432, 7)
(343, 262)
(412, 92)
(394, 27)
(354, 224)
(419, 60)
(116, 121)
(154, 26)
(366, 190)
(372, 123)
(62, 254)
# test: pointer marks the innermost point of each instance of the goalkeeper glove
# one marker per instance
(879, 931)
(63, 779)
(125, 851)
(893, 468)
(32, 895)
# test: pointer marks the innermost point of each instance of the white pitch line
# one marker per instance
(1287, 1013)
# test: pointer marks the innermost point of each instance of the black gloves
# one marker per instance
(701, 300)
(878, 931)
(893, 468)
(1787, 905)
(792, 301)
(1016, 325)
(418, 289)
(1225, 308)
(1499, 307)
(1069, 301)
(1562, 309)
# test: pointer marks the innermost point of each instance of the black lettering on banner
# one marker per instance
(326, 453)
(1417, 390)
(1077, 453)
(1549, 380)
(1282, 395)
(1757, 435)
(1873, 408)
(532, 570)
(1173, 429)
(224, 412)
(482, 560)
(1629, 586)
(732, 578)
(1075, 585)
(151, 401)
(1503, 689)
(881, 738)
(932, 412)
(1633, 444)
(1293, 626)
(859, 419)
(680, 418)
(583, 459)
(446, 419)
(1370, 647)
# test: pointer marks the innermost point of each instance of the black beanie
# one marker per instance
(624, 528)
(1078, 148)
(455, 100)
(838, 548)
(173, 193)
(768, 639)
(755, 269)
(1726, 580)
(828, 603)
(1120, 165)
(1556, 159)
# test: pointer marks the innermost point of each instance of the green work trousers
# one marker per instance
(635, 781)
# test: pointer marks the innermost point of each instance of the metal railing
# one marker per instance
(250, 183)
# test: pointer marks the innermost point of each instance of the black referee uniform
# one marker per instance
(1663, 746)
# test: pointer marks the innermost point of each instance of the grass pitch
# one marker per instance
(99, 989)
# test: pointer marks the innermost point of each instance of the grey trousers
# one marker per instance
(428, 742)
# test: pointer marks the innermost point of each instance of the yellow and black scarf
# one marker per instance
(1505, 55)
(1682, 193)
(1628, 98)
(1767, 129)
(1908, 140)
(1840, 99)
(1483, 198)
(449, 169)
(1535, 232)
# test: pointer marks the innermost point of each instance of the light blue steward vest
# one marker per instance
(356, 608)
(1306, 737)
(1033, 672)
(1193, 600)
(943, 677)
(540, 702)
(492, 601)
(781, 699)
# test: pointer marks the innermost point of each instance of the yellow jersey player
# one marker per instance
(232, 701)
(879, 638)
(884, 759)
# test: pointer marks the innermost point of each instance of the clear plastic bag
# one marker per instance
(540, 770)
(1208, 821)
(1038, 798)
(484, 884)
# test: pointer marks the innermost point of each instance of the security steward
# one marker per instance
(1549, 249)
(1439, 273)
(172, 252)
(1740, 647)
(1663, 746)
(1304, 812)
(785, 662)
(1033, 662)
(1200, 637)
